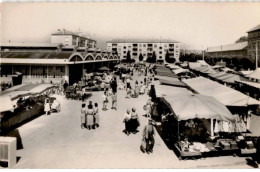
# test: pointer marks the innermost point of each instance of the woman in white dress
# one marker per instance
(82, 116)
(47, 106)
(90, 116)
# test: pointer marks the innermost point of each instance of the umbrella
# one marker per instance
(198, 106)
(120, 66)
(104, 68)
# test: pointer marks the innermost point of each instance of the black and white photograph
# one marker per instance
(129, 85)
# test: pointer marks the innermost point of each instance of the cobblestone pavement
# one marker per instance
(57, 141)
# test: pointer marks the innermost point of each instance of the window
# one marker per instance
(165, 45)
(155, 45)
(160, 52)
(124, 47)
(144, 45)
(160, 47)
(140, 45)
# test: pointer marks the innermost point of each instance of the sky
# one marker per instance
(196, 25)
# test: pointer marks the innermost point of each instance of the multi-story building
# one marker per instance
(253, 41)
(144, 47)
(238, 50)
(71, 39)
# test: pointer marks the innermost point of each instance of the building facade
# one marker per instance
(51, 63)
(254, 43)
(72, 39)
(144, 47)
(237, 50)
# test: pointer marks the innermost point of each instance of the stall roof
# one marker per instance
(166, 90)
(36, 55)
(198, 106)
(231, 78)
(224, 94)
(171, 81)
(172, 66)
(255, 74)
(180, 70)
(25, 90)
(6, 104)
(253, 84)
(218, 74)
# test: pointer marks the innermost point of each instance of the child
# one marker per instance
(96, 115)
(105, 101)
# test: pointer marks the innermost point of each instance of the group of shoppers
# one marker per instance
(89, 116)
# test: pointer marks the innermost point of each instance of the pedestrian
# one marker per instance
(128, 83)
(82, 116)
(96, 115)
(65, 85)
(90, 116)
(148, 107)
(47, 106)
(105, 100)
(142, 88)
(127, 119)
(134, 121)
(114, 100)
(148, 134)
(113, 85)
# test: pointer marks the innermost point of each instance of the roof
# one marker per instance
(167, 90)
(67, 32)
(255, 74)
(142, 41)
(229, 47)
(222, 93)
(36, 55)
(254, 28)
(198, 106)
(13, 44)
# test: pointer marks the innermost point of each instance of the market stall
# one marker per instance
(195, 115)
(22, 103)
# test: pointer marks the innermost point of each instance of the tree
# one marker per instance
(153, 60)
(141, 57)
(242, 39)
(167, 57)
(128, 57)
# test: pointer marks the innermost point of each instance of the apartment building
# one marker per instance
(144, 47)
(72, 39)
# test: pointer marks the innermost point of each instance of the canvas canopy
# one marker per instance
(166, 90)
(172, 66)
(26, 89)
(255, 74)
(6, 103)
(193, 106)
(171, 81)
(231, 78)
(104, 68)
(223, 94)
(252, 84)
(246, 72)
(180, 70)
(218, 74)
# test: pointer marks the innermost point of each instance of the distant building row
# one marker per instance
(240, 50)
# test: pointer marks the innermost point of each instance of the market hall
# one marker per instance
(52, 62)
